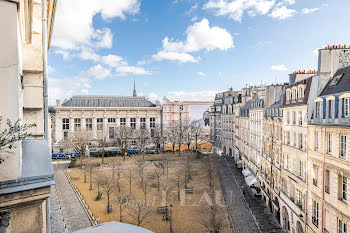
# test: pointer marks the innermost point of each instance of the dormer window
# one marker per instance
(318, 109)
(330, 108)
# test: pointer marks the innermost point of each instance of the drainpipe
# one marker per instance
(46, 128)
(323, 183)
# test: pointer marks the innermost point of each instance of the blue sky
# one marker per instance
(187, 46)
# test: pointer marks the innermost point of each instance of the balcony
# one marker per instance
(36, 168)
(314, 181)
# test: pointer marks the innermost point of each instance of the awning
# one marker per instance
(246, 172)
(252, 181)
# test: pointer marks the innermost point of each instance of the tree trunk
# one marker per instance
(90, 188)
(130, 185)
(108, 205)
(103, 156)
(85, 176)
(120, 213)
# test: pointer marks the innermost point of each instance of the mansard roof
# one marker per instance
(89, 101)
(339, 83)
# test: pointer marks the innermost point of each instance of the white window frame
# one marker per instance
(99, 125)
(88, 123)
(342, 227)
(342, 146)
(329, 143)
(77, 124)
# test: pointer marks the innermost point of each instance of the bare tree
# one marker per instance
(157, 137)
(103, 143)
(89, 167)
(123, 135)
(179, 135)
(215, 220)
(144, 185)
(171, 135)
(188, 137)
(179, 182)
(140, 213)
(98, 181)
(130, 175)
(158, 174)
(10, 135)
(167, 194)
(108, 188)
(210, 173)
(141, 137)
(197, 131)
(78, 141)
(121, 201)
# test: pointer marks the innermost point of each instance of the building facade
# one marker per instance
(192, 108)
(328, 153)
(101, 115)
(26, 173)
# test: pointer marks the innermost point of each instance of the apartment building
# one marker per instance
(26, 173)
(328, 153)
(191, 108)
(215, 122)
(294, 153)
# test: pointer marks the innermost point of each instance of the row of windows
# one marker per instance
(342, 226)
(99, 121)
(294, 94)
(330, 107)
(295, 120)
(329, 149)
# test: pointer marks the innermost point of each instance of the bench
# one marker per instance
(162, 210)
(189, 190)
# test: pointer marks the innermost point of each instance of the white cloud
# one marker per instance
(65, 54)
(174, 56)
(125, 70)
(200, 73)
(282, 13)
(62, 88)
(50, 69)
(73, 21)
(121, 66)
(236, 8)
(309, 10)
(279, 68)
(97, 72)
(199, 36)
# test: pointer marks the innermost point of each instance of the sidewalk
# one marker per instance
(259, 216)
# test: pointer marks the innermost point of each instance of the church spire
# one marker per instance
(134, 92)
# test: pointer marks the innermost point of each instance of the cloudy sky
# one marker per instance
(193, 47)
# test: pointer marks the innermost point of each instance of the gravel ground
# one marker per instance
(256, 218)
(67, 214)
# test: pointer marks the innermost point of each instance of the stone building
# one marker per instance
(271, 156)
(215, 122)
(101, 115)
(294, 153)
(26, 174)
(192, 108)
(328, 153)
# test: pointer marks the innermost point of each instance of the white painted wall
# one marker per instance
(10, 84)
